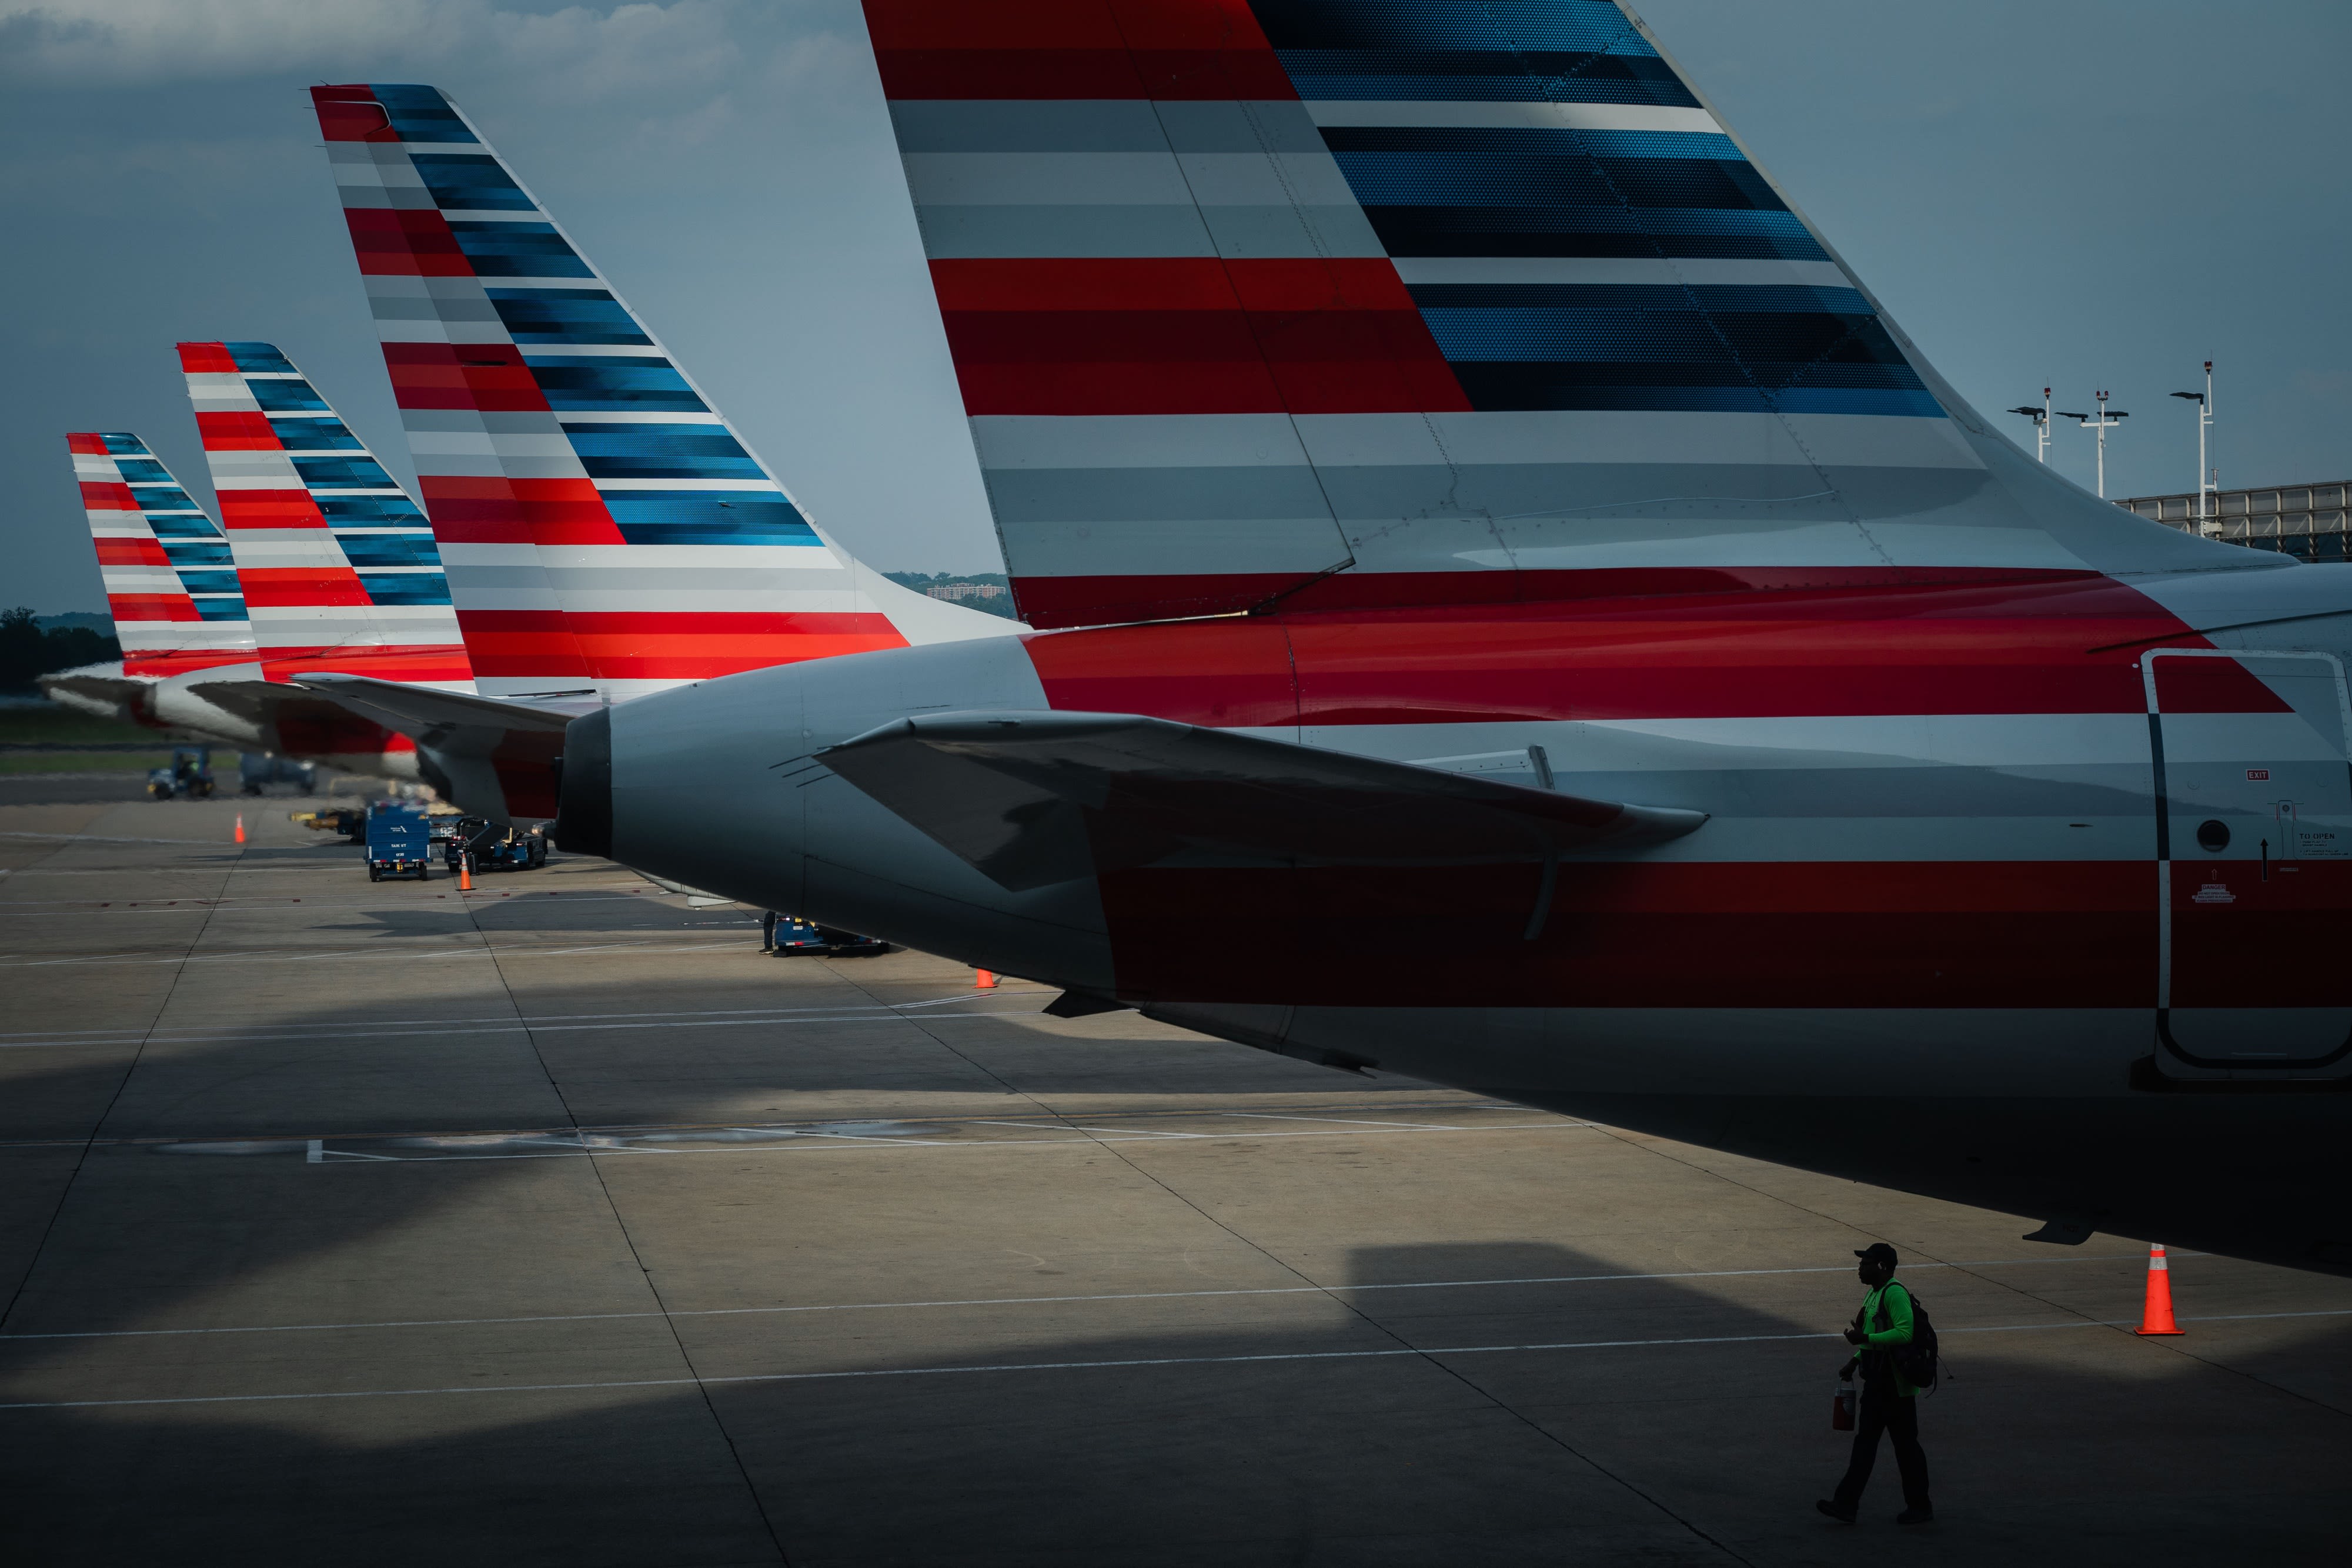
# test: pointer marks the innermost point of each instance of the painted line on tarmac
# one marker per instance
(107, 839)
(429, 1028)
(560, 1146)
(50, 908)
(227, 1032)
(1070, 1300)
(644, 1129)
(357, 955)
(1428, 1352)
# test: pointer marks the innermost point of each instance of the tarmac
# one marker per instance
(362, 1223)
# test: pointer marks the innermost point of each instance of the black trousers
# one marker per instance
(1884, 1410)
(767, 929)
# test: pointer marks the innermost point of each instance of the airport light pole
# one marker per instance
(2104, 424)
(2209, 482)
(2040, 417)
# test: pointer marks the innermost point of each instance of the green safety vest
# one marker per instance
(1885, 1324)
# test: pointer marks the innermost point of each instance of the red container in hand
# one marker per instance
(1841, 1409)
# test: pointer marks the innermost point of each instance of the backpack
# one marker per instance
(1916, 1364)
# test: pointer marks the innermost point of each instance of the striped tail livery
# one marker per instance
(171, 584)
(338, 564)
(604, 527)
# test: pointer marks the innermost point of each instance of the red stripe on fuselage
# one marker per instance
(1707, 934)
(1940, 648)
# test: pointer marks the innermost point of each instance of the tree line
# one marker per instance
(28, 649)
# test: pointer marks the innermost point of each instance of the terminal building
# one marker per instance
(2307, 521)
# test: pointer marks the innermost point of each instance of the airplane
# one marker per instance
(1457, 489)
(276, 587)
(170, 589)
(606, 532)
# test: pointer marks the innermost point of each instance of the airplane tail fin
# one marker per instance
(601, 523)
(1328, 303)
(338, 564)
(171, 584)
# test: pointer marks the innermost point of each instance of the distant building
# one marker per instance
(2307, 521)
(966, 590)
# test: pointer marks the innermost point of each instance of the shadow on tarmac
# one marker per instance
(2091, 1453)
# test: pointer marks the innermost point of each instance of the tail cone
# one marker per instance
(2155, 1317)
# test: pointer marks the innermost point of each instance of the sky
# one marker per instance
(2094, 194)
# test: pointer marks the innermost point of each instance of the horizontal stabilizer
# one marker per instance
(429, 717)
(1033, 799)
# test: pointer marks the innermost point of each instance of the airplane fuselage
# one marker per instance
(1980, 842)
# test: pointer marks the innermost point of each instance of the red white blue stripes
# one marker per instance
(1250, 295)
(338, 564)
(171, 584)
(601, 525)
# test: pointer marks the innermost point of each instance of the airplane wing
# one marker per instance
(1031, 799)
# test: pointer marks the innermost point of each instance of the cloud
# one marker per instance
(593, 51)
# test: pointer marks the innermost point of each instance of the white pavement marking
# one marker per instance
(542, 1147)
(105, 838)
(1432, 1351)
(49, 908)
(1350, 1121)
(350, 954)
(1066, 1300)
(526, 1025)
(228, 1031)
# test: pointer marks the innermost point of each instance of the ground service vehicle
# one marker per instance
(1460, 487)
(796, 937)
(188, 776)
(494, 846)
(349, 820)
(257, 770)
(399, 840)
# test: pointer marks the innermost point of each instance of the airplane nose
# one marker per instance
(583, 822)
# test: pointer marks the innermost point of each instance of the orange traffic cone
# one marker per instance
(240, 827)
(465, 874)
(2155, 1317)
(984, 981)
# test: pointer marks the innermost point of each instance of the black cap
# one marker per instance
(1877, 1252)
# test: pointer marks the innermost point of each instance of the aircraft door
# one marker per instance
(2253, 848)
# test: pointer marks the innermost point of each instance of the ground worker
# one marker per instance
(1888, 1401)
(767, 931)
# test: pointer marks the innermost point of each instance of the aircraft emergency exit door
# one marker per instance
(2254, 851)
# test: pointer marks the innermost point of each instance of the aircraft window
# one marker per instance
(2213, 836)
